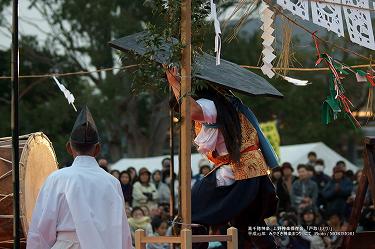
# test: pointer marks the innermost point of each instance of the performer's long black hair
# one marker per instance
(227, 119)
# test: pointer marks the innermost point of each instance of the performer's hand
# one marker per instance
(172, 75)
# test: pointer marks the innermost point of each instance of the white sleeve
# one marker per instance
(42, 231)
(126, 235)
(209, 110)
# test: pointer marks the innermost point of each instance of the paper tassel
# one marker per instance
(68, 95)
(268, 39)
(296, 82)
(217, 32)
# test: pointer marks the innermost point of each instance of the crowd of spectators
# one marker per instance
(317, 200)
(308, 198)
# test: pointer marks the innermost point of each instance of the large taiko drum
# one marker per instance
(37, 161)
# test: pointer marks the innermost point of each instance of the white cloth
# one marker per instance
(81, 198)
(66, 240)
(210, 139)
(224, 176)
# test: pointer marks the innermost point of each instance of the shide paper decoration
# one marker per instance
(268, 39)
(68, 95)
(358, 18)
(217, 31)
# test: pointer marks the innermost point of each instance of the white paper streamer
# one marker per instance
(68, 95)
(217, 32)
(266, 15)
(296, 82)
(328, 16)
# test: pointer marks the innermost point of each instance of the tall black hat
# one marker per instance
(227, 74)
(84, 129)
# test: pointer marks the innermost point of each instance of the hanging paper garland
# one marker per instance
(297, 7)
(268, 38)
(359, 23)
(328, 16)
(357, 16)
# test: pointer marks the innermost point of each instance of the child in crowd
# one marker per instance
(160, 228)
(139, 221)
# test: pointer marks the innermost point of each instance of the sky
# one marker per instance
(26, 16)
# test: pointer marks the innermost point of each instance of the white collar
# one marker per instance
(85, 161)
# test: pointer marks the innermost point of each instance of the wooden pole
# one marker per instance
(185, 111)
(186, 239)
(171, 167)
(15, 128)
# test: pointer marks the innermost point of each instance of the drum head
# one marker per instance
(38, 160)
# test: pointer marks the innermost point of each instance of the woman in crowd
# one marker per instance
(161, 187)
(127, 188)
(144, 191)
(115, 173)
(133, 174)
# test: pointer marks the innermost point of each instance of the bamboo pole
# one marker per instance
(185, 183)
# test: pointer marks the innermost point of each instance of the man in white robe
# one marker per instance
(82, 206)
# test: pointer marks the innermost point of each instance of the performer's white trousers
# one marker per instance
(66, 240)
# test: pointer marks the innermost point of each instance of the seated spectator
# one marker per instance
(309, 218)
(128, 209)
(144, 191)
(204, 169)
(288, 177)
(289, 219)
(165, 167)
(337, 191)
(367, 220)
(161, 187)
(146, 211)
(310, 171)
(311, 157)
(335, 222)
(126, 186)
(133, 174)
(167, 180)
(304, 190)
(281, 190)
(321, 180)
(159, 228)
(341, 164)
(115, 173)
(103, 163)
(350, 174)
(138, 220)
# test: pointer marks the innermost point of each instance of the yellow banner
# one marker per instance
(270, 131)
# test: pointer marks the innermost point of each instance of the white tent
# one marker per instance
(153, 163)
(295, 154)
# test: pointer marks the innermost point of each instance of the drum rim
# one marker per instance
(24, 156)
